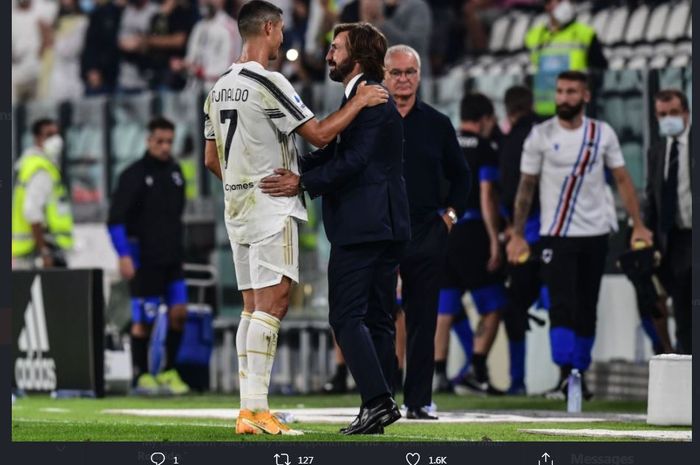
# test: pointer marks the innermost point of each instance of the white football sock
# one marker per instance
(260, 349)
(241, 336)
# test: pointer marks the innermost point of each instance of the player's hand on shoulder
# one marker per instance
(371, 95)
(283, 183)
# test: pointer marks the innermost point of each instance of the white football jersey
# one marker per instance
(571, 167)
(252, 113)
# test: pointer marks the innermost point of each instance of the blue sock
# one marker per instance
(650, 329)
(562, 341)
(583, 347)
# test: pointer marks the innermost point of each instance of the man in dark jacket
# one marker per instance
(669, 206)
(524, 278)
(145, 224)
(432, 158)
(365, 214)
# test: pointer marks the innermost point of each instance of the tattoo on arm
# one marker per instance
(523, 201)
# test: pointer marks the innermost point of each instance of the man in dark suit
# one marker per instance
(669, 211)
(366, 217)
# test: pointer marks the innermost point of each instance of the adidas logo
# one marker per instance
(34, 371)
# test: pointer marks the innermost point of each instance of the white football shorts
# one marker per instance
(263, 263)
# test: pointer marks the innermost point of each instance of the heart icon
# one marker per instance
(413, 458)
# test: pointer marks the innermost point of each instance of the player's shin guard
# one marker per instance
(241, 349)
(261, 345)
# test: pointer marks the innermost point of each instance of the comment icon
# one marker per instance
(158, 458)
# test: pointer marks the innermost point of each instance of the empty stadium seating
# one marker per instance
(644, 36)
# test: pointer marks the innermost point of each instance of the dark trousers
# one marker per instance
(677, 274)
(572, 268)
(524, 284)
(361, 290)
(421, 271)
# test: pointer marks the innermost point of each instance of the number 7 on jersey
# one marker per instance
(233, 116)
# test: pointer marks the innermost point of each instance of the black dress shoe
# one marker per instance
(420, 414)
(374, 418)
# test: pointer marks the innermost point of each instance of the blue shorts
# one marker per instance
(486, 299)
(152, 287)
(489, 299)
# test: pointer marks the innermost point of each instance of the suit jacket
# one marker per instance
(656, 165)
(360, 178)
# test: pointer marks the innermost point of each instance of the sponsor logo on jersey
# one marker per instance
(35, 371)
(238, 187)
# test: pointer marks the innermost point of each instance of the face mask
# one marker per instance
(671, 126)
(564, 12)
(53, 146)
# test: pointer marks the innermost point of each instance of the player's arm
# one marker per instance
(124, 198)
(321, 133)
(517, 246)
(211, 158)
(629, 199)
(489, 211)
(329, 176)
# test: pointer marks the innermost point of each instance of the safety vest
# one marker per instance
(59, 219)
(188, 166)
(554, 52)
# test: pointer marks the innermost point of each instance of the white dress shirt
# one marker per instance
(351, 84)
(684, 215)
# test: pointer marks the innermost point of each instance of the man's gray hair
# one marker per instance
(401, 48)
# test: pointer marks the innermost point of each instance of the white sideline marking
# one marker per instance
(660, 435)
(54, 410)
(346, 415)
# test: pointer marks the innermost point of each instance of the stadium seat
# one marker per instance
(614, 31)
(499, 34)
(677, 21)
(656, 28)
(637, 25)
(633, 36)
(518, 29)
(600, 20)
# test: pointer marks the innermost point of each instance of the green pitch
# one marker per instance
(40, 418)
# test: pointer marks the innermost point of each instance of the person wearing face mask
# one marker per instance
(669, 205)
(558, 45)
(42, 222)
(565, 159)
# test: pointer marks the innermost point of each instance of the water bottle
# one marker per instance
(574, 393)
